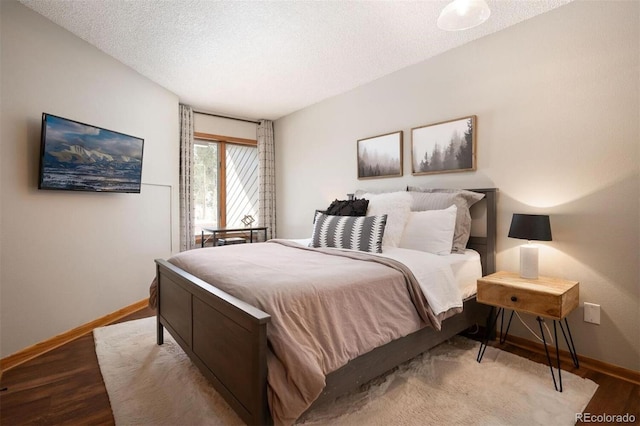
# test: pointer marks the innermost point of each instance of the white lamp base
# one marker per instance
(529, 261)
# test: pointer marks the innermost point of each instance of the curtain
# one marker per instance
(187, 239)
(267, 177)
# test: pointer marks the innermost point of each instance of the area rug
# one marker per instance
(158, 385)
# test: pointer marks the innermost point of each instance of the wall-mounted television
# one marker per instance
(79, 157)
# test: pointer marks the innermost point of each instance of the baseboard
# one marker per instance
(33, 351)
(590, 363)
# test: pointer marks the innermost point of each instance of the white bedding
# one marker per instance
(466, 268)
(460, 270)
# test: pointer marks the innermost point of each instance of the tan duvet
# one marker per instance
(326, 309)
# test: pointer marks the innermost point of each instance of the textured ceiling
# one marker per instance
(266, 59)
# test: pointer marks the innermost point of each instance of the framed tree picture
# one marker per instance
(380, 156)
(445, 147)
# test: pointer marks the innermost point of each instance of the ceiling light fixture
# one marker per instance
(463, 14)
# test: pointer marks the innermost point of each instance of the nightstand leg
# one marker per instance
(501, 324)
(546, 349)
(570, 345)
(555, 333)
(503, 337)
(491, 325)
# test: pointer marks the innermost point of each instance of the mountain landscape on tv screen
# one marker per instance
(81, 157)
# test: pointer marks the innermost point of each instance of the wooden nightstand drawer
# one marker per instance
(547, 297)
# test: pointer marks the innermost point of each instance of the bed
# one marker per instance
(226, 338)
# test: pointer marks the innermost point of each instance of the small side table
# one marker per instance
(224, 230)
(545, 297)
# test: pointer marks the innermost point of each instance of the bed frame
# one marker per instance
(226, 338)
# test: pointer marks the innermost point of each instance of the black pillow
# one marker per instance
(357, 207)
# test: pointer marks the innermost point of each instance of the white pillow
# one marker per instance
(397, 206)
(430, 231)
(435, 199)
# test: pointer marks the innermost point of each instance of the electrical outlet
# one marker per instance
(591, 313)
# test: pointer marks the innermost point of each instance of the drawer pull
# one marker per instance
(514, 299)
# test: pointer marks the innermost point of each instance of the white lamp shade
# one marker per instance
(529, 261)
(463, 14)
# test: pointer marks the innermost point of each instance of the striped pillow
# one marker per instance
(363, 233)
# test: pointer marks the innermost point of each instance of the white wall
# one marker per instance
(70, 257)
(557, 101)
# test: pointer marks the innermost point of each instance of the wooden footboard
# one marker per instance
(225, 338)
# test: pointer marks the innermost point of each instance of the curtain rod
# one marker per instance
(228, 118)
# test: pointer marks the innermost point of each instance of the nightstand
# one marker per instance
(551, 298)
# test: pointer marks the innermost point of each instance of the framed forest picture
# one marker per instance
(380, 156)
(445, 147)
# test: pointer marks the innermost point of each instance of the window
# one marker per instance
(241, 183)
(225, 181)
(205, 185)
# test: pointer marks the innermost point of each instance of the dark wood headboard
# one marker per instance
(486, 245)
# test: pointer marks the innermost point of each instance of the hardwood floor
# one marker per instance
(65, 386)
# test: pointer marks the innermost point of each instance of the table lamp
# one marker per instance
(530, 227)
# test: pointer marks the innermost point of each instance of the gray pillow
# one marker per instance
(360, 192)
(436, 199)
(363, 233)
